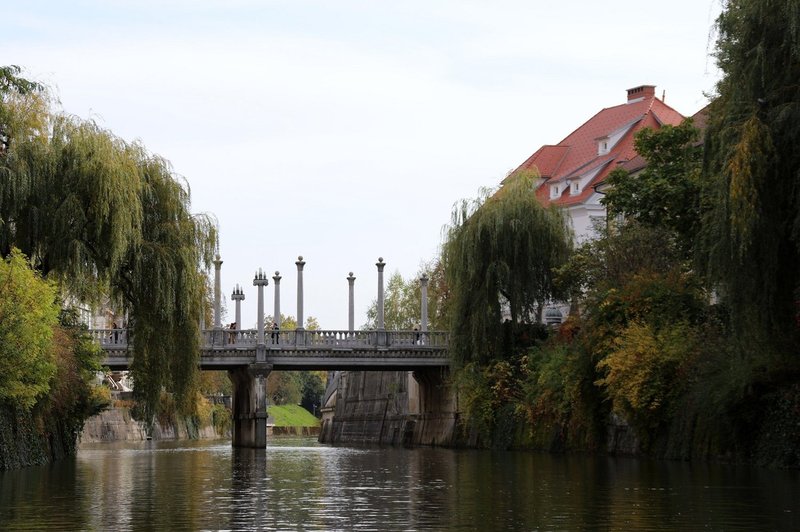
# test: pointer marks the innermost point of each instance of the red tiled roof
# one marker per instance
(577, 154)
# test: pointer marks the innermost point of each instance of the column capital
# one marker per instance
(423, 280)
(277, 277)
(380, 264)
(300, 262)
(351, 278)
(238, 293)
(260, 278)
(217, 261)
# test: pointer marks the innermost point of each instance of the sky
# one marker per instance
(346, 130)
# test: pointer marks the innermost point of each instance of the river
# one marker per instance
(297, 484)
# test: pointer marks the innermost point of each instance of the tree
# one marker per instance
(500, 253)
(402, 309)
(28, 315)
(99, 214)
(751, 230)
(667, 192)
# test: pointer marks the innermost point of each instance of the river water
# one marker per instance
(297, 484)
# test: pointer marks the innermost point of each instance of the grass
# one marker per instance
(292, 416)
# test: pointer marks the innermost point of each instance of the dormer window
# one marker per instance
(575, 188)
(555, 191)
(603, 146)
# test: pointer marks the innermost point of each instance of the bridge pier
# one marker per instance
(250, 405)
(437, 420)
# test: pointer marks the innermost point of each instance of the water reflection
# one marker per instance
(296, 483)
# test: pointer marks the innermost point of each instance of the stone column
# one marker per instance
(238, 296)
(276, 315)
(381, 338)
(380, 264)
(423, 288)
(260, 281)
(351, 321)
(217, 294)
(300, 333)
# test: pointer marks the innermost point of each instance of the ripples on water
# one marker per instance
(298, 484)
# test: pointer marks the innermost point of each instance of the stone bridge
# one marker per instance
(224, 349)
(249, 355)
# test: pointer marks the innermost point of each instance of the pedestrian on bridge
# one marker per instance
(275, 330)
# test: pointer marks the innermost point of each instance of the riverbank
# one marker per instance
(388, 408)
(117, 424)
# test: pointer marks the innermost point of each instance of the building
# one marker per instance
(571, 170)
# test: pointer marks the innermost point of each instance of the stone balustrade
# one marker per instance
(284, 339)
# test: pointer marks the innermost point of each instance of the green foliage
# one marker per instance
(28, 314)
(500, 254)
(475, 396)
(563, 406)
(751, 229)
(74, 396)
(94, 211)
(402, 309)
(646, 371)
(215, 382)
(666, 193)
(289, 323)
(221, 419)
(313, 388)
(285, 387)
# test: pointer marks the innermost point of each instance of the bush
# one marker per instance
(28, 314)
(646, 371)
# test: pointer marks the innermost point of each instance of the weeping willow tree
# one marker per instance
(499, 255)
(103, 215)
(751, 233)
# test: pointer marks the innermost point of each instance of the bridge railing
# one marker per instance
(281, 339)
(110, 338)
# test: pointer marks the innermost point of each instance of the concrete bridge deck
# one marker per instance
(224, 349)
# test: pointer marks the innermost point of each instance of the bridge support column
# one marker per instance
(437, 420)
(250, 405)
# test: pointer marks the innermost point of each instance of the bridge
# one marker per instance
(249, 355)
(225, 349)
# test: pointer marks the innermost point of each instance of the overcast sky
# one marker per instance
(346, 130)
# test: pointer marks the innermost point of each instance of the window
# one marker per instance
(554, 191)
(576, 188)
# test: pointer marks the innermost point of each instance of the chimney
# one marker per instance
(642, 92)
